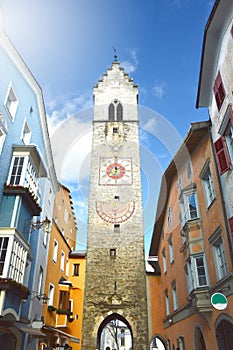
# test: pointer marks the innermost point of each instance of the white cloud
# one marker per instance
(64, 106)
(159, 89)
(130, 65)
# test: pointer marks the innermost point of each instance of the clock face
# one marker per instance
(115, 172)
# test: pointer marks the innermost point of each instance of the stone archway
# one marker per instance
(115, 333)
(224, 334)
(157, 343)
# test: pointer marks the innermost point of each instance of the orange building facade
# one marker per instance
(190, 252)
(58, 309)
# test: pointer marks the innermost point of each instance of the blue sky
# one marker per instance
(67, 45)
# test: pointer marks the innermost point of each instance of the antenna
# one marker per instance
(115, 55)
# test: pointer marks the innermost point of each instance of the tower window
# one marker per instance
(115, 130)
(119, 112)
(115, 111)
(117, 228)
(111, 112)
(112, 253)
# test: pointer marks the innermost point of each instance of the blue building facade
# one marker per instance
(27, 187)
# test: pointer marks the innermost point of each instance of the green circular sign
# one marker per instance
(219, 301)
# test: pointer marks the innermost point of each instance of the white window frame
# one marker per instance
(67, 267)
(186, 206)
(171, 249)
(17, 262)
(196, 269)
(174, 296)
(164, 261)
(189, 276)
(55, 250)
(62, 263)
(219, 254)
(26, 133)
(169, 216)
(11, 102)
(208, 184)
(51, 294)
(40, 281)
(3, 129)
(167, 302)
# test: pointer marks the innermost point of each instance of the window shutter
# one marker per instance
(219, 91)
(222, 154)
(230, 221)
(232, 31)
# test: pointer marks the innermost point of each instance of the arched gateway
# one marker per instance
(114, 333)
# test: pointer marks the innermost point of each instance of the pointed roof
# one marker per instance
(115, 72)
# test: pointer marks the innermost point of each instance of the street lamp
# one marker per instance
(36, 225)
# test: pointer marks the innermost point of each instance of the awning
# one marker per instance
(29, 330)
(64, 334)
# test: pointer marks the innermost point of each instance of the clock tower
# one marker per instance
(115, 305)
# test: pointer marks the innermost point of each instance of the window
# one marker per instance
(169, 216)
(3, 250)
(189, 170)
(167, 303)
(3, 129)
(76, 269)
(115, 130)
(179, 185)
(23, 173)
(115, 111)
(26, 134)
(219, 254)
(208, 184)
(111, 112)
(195, 270)
(67, 267)
(164, 261)
(16, 170)
(55, 250)
(219, 91)
(122, 337)
(171, 250)
(62, 264)
(189, 276)
(174, 296)
(222, 154)
(112, 253)
(117, 228)
(40, 281)
(51, 294)
(11, 102)
(199, 271)
(230, 223)
(64, 300)
(18, 262)
(190, 209)
(119, 112)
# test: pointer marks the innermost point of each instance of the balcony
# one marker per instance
(26, 194)
(200, 299)
(8, 284)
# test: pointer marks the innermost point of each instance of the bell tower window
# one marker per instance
(111, 112)
(115, 111)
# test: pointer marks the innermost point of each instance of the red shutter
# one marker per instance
(219, 91)
(230, 221)
(223, 158)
